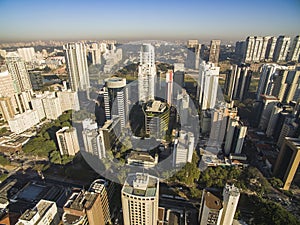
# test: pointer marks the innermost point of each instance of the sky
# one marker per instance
(28, 20)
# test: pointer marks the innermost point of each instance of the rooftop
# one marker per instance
(156, 106)
(212, 201)
(41, 208)
(141, 184)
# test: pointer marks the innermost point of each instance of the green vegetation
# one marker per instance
(270, 212)
(276, 183)
(3, 130)
(3, 177)
(43, 144)
(4, 161)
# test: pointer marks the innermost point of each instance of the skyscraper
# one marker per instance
(67, 141)
(77, 66)
(214, 51)
(211, 209)
(208, 85)
(231, 195)
(147, 73)
(169, 81)
(235, 136)
(140, 196)
(287, 161)
(295, 50)
(183, 148)
(237, 82)
(95, 54)
(117, 94)
(17, 69)
(249, 48)
(27, 54)
(281, 49)
(6, 108)
(266, 81)
(270, 48)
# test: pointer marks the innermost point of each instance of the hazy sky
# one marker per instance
(23, 20)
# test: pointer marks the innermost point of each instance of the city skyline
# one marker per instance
(33, 20)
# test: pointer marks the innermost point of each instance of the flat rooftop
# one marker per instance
(156, 106)
(141, 184)
(41, 208)
(212, 201)
(143, 156)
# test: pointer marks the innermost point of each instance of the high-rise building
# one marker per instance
(249, 48)
(287, 162)
(95, 53)
(183, 148)
(268, 102)
(36, 80)
(288, 129)
(52, 106)
(68, 100)
(117, 96)
(140, 196)
(147, 73)
(257, 50)
(273, 119)
(231, 195)
(264, 48)
(6, 87)
(179, 74)
(67, 141)
(100, 187)
(214, 51)
(295, 50)
(92, 139)
(281, 49)
(77, 66)
(157, 116)
(211, 209)
(239, 50)
(110, 132)
(27, 54)
(169, 81)
(37, 104)
(237, 82)
(235, 136)
(270, 49)
(19, 74)
(208, 85)
(266, 81)
(192, 43)
(285, 85)
(193, 55)
(6, 108)
(43, 213)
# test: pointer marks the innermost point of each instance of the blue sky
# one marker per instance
(203, 20)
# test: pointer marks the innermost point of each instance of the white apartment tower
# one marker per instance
(281, 49)
(295, 50)
(76, 60)
(169, 81)
(27, 54)
(208, 85)
(67, 141)
(231, 195)
(17, 69)
(147, 73)
(140, 196)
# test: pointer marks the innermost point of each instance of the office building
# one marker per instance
(208, 85)
(214, 51)
(231, 195)
(268, 103)
(287, 162)
(101, 187)
(183, 148)
(146, 73)
(237, 82)
(295, 50)
(93, 141)
(36, 80)
(239, 50)
(281, 49)
(110, 132)
(28, 54)
(6, 108)
(157, 116)
(266, 81)
(77, 66)
(211, 209)
(285, 85)
(140, 196)
(273, 119)
(84, 207)
(17, 69)
(179, 74)
(67, 141)
(116, 99)
(169, 81)
(235, 136)
(182, 107)
(44, 213)
(24, 121)
(193, 54)
(141, 159)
